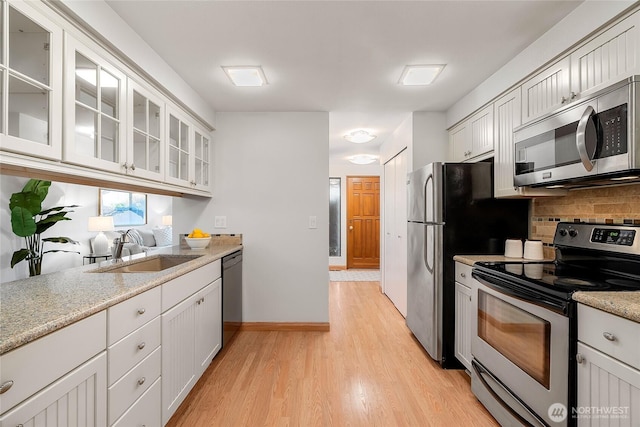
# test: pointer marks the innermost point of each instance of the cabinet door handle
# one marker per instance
(563, 100)
(5, 386)
(463, 275)
(141, 345)
(141, 380)
(133, 167)
(573, 95)
(141, 311)
(609, 336)
(125, 166)
(579, 358)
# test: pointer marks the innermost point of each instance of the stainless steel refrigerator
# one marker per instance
(451, 211)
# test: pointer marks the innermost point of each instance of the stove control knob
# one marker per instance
(563, 232)
(572, 232)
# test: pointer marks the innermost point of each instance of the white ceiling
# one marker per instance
(344, 57)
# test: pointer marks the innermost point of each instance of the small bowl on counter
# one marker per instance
(197, 242)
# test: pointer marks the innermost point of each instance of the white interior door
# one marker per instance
(395, 271)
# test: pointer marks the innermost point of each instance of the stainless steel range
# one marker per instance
(524, 351)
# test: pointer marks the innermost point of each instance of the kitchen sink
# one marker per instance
(150, 264)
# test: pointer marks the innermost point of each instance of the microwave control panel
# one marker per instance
(613, 128)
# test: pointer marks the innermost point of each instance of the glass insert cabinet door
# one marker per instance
(202, 159)
(30, 81)
(95, 94)
(145, 133)
(179, 150)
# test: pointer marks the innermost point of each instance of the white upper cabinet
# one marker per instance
(188, 152)
(473, 137)
(508, 115)
(94, 98)
(30, 82)
(460, 142)
(179, 149)
(607, 58)
(145, 133)
(201, 160)
(547, 90)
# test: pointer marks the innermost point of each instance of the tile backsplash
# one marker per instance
(607, 205)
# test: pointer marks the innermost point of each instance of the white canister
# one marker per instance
(513, 248)
(533, 250)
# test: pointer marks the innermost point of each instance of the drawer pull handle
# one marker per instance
(579, 358)
(141, 345)
(5, 386)
(141, 311)
(463, 275)
(609, 336)
(141, 380)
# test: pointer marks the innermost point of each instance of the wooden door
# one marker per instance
(363, 222)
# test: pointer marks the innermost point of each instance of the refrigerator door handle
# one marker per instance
(428, 218)
(426, 249)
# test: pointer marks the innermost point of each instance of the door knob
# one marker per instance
(350, 227)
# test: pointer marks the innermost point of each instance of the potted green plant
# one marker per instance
(28, 220)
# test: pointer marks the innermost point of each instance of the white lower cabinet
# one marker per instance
(133, 340)
(208, 325)
(145, 411)
(464, 314)
(191, 337)
(76, 399)
(608, 369)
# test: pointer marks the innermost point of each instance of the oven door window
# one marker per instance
(518, 335)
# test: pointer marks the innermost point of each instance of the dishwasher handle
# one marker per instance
(231, 260)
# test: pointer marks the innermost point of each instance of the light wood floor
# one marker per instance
(367, 371)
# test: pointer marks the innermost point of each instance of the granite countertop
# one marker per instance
(623, 304)
(37, 306)
(472, 259)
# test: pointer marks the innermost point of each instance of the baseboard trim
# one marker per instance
(337, 267)
(285, 326)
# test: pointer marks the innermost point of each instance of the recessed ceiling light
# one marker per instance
(359, 136)
(246, 75)
(419, 75)
(363, 159)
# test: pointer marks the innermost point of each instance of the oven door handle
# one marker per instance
(481, 372)
(581, 139)
(502, 286)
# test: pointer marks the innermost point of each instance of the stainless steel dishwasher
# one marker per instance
(231, 295)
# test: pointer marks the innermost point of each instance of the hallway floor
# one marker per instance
(367, 371)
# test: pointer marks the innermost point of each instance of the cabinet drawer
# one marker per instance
(463, 273)
(186, 285)
(611, 334)
(41, 362)
(130, 387)
(127, 352)
(146, 411)
(129, 315)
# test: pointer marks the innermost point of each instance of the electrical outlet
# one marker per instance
(220, 222)
(313, 222)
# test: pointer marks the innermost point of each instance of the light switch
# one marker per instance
(313, 222)
(220, 222)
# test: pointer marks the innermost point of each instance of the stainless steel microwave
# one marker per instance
(594, 142)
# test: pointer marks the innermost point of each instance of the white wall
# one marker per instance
(342, 169)
(61, 194)
(577, 25)
(430, 139)
(271, 173)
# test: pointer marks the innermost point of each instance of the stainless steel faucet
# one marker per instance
(119, 243)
